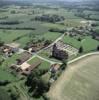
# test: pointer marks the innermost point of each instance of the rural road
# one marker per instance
(51, 43)
(47, 60)
(83, 56)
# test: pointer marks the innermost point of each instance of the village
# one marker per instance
(48, 50)
(57, 50)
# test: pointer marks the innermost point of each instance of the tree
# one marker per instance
(81, 49)
(47, 42)
(41, 88)
(93, 37)
(1, 43)
(37, 86)
(14, 96)
(98, 48)
(64, 64)
(13, 12)
(79, 39)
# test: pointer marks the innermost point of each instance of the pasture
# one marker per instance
(87, 43)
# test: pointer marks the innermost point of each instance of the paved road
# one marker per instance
(47, 60)
(83, 56)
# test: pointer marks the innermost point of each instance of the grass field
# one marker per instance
(51, 35)
(7, 63)
(43, 65)
(5, 71)
(87, 43)
(51, 25)
(78, 82)
(4, 75)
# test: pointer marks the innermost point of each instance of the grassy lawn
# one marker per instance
(43, 65)
(88, 43)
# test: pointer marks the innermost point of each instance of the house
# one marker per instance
(54, 68)
(25, 68)
(13, 46)
(28, 70)
(58, 53)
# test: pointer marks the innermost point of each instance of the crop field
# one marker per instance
(79, 81)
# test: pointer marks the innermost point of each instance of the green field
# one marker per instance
(87, 43)
(4, 75)
(51, 35)
(7, 63)
(51, 25)
(5, 68)
(82, 81)
(43, 65)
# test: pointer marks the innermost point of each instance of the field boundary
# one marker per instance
(83, 56)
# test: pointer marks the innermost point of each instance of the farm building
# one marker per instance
(14, 46)
(28, 70)
(54, 68)
(25, 68)
(9, 49)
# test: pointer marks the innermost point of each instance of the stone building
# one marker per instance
(59, 54)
